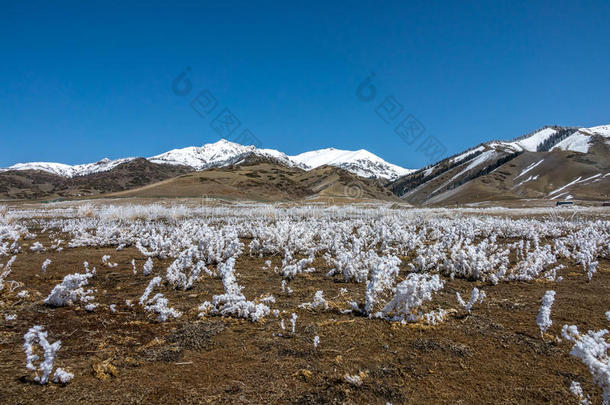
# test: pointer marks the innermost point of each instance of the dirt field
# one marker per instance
(494, 355)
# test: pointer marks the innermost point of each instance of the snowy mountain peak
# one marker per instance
(224, 153)
(360, 162)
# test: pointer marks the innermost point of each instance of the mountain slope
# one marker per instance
(36, 184)
(531, 166)
(265, 181)
(224, 153)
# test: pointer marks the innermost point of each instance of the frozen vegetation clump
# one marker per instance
(318, 302)
(409, 295)
(475, 296)
(37, 335)
(158, 303)
(45, 265)
(576, 389)
(592, 349)
(148, 267)
(71, 290)
(233, 302)
(544, 314)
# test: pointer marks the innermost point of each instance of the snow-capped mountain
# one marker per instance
(219, 154)
(580, 141)
(489, 169)
(64, 170)
(224, 153)
(361, 162)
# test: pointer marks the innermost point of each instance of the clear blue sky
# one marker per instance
(86, 80)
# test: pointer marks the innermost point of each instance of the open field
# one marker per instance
(210, 321)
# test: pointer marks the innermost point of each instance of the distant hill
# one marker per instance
(552, 163)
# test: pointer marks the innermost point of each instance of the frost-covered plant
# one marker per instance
(355, 379)
(576, 389)
(544, 314)
(592, 349)
(176, 273)
(410, 294)
(71, 290)
(61, 376)
(293, 322)
(233, 302)
(316, 341)
(475, 296)
(106, 262)
(148, 267)
(7, 270)
(45, 265)
(155, 282)
(286, 288)
(291, 268)
(37, 335)
(383, 276)
(159, 305)
(37, 247)
(435, 317)
(318, 302)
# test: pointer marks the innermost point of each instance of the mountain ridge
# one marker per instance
(224, 153)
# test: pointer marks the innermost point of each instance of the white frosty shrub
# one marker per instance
(410, 295)
(293, 322)
(155, 282)
(159, 305)
(233, 302)
(61, 376)
(7, 271)
(148, 267)
(576, 389)
(71, 290)
(106, 262)
(544, 314)
(435, 317)
(318, 302)
(37, 247)
(383, 276)
(286, 288)
(475, 296)
(45, 265)
(291, 268)
(355, 379)
(38, 335)
(592, 349)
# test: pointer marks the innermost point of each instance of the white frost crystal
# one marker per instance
(37, 334)
(475, 296)
(71, 290)
(544, 314)
(410, 295)
(592, 350)
(45, 265)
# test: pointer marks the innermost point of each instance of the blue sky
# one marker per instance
(86, 80)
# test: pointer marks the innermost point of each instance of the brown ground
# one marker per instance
(495, 355)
